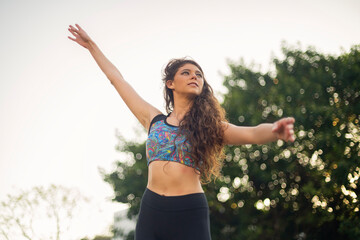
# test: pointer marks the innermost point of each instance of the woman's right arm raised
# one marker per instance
(142, 110)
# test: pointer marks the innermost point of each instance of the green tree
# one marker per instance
(102, 238)
(130, 175)
(22, 215)
(98, 237)
(302, 190)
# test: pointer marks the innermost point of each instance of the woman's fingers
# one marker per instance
(76, 33)
(77, 30)
(71, 28)
(289, 131)
(291, 135)
(80, 35)
(77, 25)
(285, 128)
(74, 30)
(290, 120)
(73, 33)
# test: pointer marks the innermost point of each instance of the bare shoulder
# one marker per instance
(153, 111)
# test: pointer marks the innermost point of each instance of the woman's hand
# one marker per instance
(81, 36)
(284, 129)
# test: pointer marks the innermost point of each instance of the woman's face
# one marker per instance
(188, 80)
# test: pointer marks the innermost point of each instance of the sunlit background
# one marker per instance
(58, 111)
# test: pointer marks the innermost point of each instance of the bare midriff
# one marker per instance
(173, 179)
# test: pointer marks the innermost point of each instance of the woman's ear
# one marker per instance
(169, 84)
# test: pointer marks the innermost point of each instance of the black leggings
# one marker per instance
(184, 217)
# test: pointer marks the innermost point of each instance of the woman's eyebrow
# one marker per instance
(190, 70)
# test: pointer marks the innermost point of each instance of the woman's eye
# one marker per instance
(198, 74)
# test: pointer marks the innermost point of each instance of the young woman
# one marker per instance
(184, 148)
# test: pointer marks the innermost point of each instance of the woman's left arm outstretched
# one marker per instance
(263, 133)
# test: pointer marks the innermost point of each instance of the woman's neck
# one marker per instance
(181, 107)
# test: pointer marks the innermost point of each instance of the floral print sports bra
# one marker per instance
(160, 143)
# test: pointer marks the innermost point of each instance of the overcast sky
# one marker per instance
(58, 111)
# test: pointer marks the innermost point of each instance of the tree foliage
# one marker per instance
(98, 237)
(303, 190)
(22, 215)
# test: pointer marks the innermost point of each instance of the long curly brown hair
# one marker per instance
(202, 124)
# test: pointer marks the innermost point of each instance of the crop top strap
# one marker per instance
(155, 119)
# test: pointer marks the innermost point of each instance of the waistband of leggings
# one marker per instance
(174, 203)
